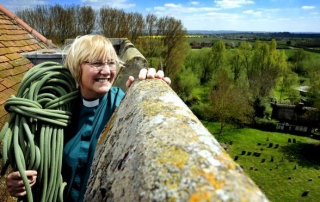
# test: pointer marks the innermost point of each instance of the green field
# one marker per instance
(281, 43)
(284, 170)
(313, 55)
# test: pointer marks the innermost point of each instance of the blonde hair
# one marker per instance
(88, 48)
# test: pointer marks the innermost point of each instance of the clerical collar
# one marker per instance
(90, 103)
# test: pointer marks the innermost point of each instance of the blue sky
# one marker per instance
(240, 15)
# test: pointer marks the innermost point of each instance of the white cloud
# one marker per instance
(282, 19)
(248, 11)
(89, 1)
(254, 13)
(232, 3)
(314, 13)
(307, 7)
(171, 5)
(97, 4)
(176, 9)
(272, 10)
(194, 3)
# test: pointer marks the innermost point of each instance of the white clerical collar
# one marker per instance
(91, 103)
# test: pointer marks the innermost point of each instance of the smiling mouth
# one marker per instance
(102, 79)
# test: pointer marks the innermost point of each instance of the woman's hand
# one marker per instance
(149, 73)
(15, 185)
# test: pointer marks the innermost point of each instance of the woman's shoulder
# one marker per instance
(116, 91)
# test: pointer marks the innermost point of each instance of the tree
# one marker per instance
(173, 39)
(116, 23)
(108, 21)
(184, 83)
(236, 64)
(59, 23)
(298, 59)
(266, 66)
(205, 62)
(39, 18)
(245, 51)
(290, 81)
(64, 26)
(85, 18)
(136, 30)
(229, 103)
(149, 45)
(218, 55)
(313, 94)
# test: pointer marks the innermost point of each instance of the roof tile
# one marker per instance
(13, 56)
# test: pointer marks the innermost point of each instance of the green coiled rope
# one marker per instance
(33, 136)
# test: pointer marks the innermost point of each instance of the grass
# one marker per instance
(289, 52)
(286, 171)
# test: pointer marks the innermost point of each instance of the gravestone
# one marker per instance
(236, 158)
(289, 140)
(270, 145)
(305, 193)
(249, 153)
(294, 140)
(263, 160)
(243, 152)
(271, 160)
(276, 147)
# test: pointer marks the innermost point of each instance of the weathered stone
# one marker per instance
(163, 153)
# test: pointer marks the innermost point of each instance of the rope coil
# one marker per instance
(33, 136)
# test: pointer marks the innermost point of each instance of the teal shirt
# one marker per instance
(87, 124)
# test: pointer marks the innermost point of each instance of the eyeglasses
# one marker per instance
(98, 66)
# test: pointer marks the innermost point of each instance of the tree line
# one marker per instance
(240, 82)
(59, 23)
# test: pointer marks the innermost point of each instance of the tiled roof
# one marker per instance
(14, 39)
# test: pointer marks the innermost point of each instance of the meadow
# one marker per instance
(286, 167)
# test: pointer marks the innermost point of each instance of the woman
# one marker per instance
(92, 62)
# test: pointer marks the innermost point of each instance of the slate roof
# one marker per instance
(14, 39)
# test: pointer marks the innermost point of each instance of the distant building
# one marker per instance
(295, 118)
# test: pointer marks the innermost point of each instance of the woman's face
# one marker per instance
(97, 78)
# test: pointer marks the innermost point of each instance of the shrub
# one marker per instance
(266, 124)
(202, 112)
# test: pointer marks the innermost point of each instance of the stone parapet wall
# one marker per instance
(155, 149)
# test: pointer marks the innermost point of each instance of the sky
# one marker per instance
(237, 15)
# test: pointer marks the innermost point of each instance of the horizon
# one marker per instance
(240, 31)
(245, 15)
